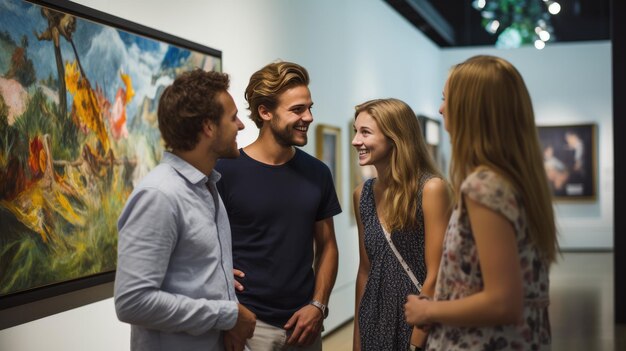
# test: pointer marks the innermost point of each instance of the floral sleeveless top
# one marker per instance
(460, 274)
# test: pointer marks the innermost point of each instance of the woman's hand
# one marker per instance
(415, 311)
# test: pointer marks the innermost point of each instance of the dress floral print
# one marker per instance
(460, 274)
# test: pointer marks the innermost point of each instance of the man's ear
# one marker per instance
(209, 128)
(265, 113)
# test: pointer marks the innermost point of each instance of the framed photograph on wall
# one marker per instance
(328, 150)
(78, 128)
(358, 173)
(569, 156)
(431, 131)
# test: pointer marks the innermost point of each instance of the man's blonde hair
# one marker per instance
(268, 83)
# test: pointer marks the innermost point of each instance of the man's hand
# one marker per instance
(238, 274)
(305, 326)
(235, 339)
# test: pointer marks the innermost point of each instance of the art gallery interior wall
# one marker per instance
(354, 50)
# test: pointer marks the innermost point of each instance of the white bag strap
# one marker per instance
(406, 267)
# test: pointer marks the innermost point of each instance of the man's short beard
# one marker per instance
(284, 137)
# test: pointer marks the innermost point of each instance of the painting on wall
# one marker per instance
(569, 158)
(431, 131)
(328, 150)
(78, 128)
(358, 173)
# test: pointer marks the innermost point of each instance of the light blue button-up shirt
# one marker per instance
(174, 280)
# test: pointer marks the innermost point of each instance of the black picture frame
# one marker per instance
(570, 161)
(24, 41)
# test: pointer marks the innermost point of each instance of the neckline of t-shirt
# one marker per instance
(244, 154)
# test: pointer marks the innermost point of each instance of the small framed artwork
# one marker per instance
(569, 158)
(79, 91)
(431, 130)
(358, 173)
(328, 150)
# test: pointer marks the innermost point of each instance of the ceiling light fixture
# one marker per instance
(518, 22)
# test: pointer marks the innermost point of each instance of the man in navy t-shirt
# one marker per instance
(280, 203)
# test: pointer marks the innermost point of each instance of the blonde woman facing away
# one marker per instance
(408, 204)
(492, 287)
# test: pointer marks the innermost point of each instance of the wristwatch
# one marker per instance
(321, 307)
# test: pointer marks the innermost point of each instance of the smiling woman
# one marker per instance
(401, 217)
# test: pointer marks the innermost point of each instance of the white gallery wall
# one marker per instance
(354, 50)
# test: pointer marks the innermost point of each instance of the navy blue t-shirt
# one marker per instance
(272, 212)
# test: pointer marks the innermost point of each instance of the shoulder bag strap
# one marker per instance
(406, 267)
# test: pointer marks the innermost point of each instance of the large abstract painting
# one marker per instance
(78, 128)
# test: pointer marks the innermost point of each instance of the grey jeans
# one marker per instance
(270, 338)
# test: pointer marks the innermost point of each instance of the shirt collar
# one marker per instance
(189, 172)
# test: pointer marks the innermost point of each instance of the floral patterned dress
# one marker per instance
(460, 274)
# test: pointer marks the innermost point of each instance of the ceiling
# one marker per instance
(455, 23)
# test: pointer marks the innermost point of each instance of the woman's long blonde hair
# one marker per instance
(491, 124)
(409, 159)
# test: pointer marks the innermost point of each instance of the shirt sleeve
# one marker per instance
(490, 189)
(329, 205)
(148, 232)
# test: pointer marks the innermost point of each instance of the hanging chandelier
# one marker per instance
(518, 22)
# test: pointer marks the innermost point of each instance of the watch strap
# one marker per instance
(321, 307)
